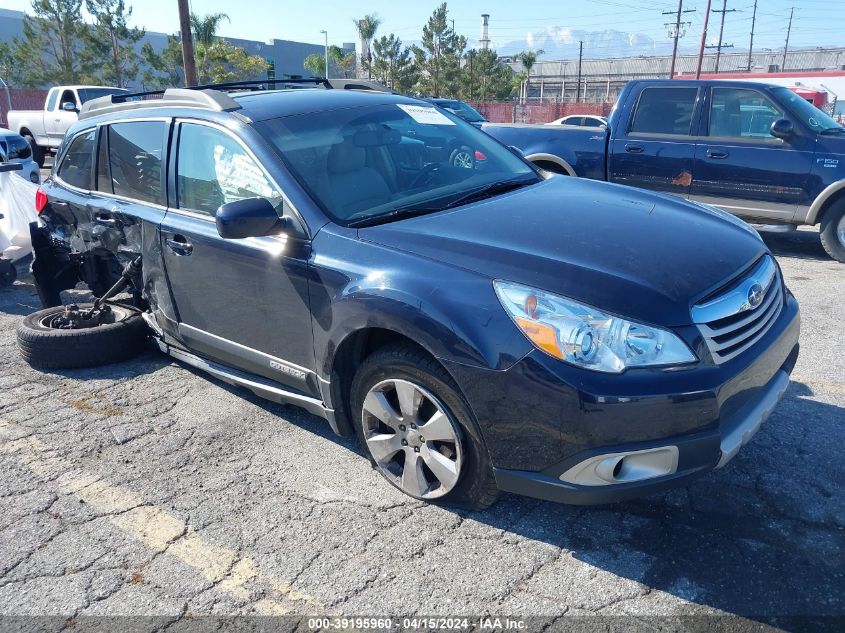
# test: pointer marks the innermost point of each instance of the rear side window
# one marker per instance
(77, 165)
(135, 155)
(664, 111)
(17, 148)
(213, 169)
(51, 100)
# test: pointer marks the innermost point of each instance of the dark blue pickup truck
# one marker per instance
(755, 150)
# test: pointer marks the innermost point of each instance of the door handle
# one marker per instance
(634, 149)
(105, 218)
(717, 153)
(179, 245)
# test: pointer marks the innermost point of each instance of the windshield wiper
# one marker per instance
(479, 193)
(401, 213)
(839, 129)
(490, 190)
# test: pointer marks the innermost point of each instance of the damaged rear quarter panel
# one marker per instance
(105, 233)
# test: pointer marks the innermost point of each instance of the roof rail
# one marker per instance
(172, 97)
(209, 96)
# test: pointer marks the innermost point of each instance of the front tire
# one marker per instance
(418, 431)
(45, 347)
(833, 232)
(37, 151)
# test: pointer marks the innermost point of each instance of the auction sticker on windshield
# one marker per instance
(426, 115)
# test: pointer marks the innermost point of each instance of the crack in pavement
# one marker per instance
(159, 530)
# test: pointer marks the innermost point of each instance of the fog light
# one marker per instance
(626, 467)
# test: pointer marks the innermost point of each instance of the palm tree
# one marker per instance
(528, 59)
(367, 27)
(205, 27)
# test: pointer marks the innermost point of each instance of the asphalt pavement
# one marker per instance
(147, 488)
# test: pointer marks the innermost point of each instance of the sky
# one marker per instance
(815, 23)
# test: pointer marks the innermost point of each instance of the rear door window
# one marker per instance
(664, 111)
(76, 168)
(136, 150)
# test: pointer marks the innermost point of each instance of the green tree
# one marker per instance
(8, 68)
(343, 62)
(217, 60)
(110, 43)
(50, 50)
(488, 77)
(367, 28)
(315, 64)
(392, 64)
(528, 58)
(439, 57)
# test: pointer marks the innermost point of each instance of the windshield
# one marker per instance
(463, 110)
(817, 120)
(371, 161)
(86, 94)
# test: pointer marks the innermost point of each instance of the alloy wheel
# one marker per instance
(463, 159)
(412, 438)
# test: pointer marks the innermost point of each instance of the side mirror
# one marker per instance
(69, 106)
(782, 128)
(250, 217)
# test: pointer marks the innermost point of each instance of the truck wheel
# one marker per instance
(8, 273)
(37, 150)
(47, 339)
(418, 430)
(833, 232)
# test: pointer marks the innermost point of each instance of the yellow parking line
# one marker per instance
(155, 527)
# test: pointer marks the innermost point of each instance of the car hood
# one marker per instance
(630, 252)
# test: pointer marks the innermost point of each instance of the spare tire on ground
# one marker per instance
(48, 339)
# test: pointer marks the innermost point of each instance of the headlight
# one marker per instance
(586, 337)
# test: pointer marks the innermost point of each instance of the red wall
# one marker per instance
(510, 112)
(22, 99)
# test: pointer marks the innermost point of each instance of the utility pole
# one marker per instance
(703, 40)
(326, 53)
(676, 33)
(719, 48)
(187, 44)
(751, 44)
(578, 84)
(786, 46)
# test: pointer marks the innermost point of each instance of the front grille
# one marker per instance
(730, 323)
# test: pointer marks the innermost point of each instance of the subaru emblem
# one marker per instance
(755, 295)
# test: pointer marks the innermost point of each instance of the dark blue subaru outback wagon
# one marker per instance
(480, 326)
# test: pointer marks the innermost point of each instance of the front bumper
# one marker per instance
(549, 423)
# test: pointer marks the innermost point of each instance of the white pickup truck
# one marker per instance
(45, 128)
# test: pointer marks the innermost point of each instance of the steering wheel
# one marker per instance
(425, 175)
